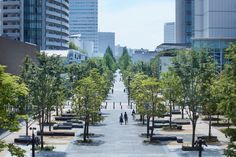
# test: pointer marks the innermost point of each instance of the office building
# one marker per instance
(11, 17)
(169, 32)
(84, 20)
(1, 17)
(85, 46)
(105, 40)
(13, 53)
(184, 21)
(44, 23)
(214, 26)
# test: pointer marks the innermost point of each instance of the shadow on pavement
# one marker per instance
(50, 154)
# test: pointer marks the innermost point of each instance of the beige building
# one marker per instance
(12, 54)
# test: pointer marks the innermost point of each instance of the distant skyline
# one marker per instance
(137, 23)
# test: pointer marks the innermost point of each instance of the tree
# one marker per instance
(109, 60)
(11, 90)
(73, 46)
(193, 69)
(170, 87)
(45, 87)
(226, 89)
(85, 93)
(155, 107)
(125, 60)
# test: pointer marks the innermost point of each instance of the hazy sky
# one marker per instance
(137, 23)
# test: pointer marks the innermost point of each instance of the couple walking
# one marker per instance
(122, 118)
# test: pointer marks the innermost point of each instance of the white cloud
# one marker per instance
(138, 26)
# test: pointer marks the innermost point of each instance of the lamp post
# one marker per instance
(129, 79)
(33, 141)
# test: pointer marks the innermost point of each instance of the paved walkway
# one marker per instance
(115, 140)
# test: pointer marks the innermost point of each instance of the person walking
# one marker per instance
(133, 114)
(126, 118)
(121, 119)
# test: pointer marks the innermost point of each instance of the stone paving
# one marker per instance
(115, 140)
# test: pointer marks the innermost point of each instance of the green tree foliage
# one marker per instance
(46, 87)
(73, 46)
(171, 90)
(146, 94)
(194, 69)
(109, 60)
(11, 89)
(125, 60)
(226, 92)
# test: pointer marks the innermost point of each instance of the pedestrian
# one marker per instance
(112, 91)
(133, 114)
(121, 119)
(126, 118)
(124, 90)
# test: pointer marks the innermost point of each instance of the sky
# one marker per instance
(137, 23)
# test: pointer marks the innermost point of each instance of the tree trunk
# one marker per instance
(42, 129)
(50, 127)
(182, 112)
(26, 127)
(143, 119)
(85, 130)
(148, 123)
(209, 133)
(152, 126)
(57, 110)
(228, 123)
(170, 115)
(194, 122)
(218, 118)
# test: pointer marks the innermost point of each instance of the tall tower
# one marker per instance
(214, 26)
(84, 20)
(46, 23)
(11, 17)
(184, 21)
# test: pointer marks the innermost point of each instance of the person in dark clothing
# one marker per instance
(121, 119)
(126, 118)
(133, 114)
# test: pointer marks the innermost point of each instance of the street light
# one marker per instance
(33, 141)
(129, 79)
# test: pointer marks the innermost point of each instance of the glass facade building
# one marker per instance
(214, 26)
(184, 21)
(46, 23)
(84, 20)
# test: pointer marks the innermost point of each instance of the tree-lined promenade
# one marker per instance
(194, 84)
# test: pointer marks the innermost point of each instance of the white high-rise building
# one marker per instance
(169, 32)
(105, 40)
(84, 20)
(12, 19)
(214, 26)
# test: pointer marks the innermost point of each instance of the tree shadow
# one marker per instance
(50, 154)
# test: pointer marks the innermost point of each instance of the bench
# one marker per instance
(163, 138)
(23, 140)
(77, 126)
(56, 133)
(68, 115)
(63, 118)
(75, 121)
(62, 127)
